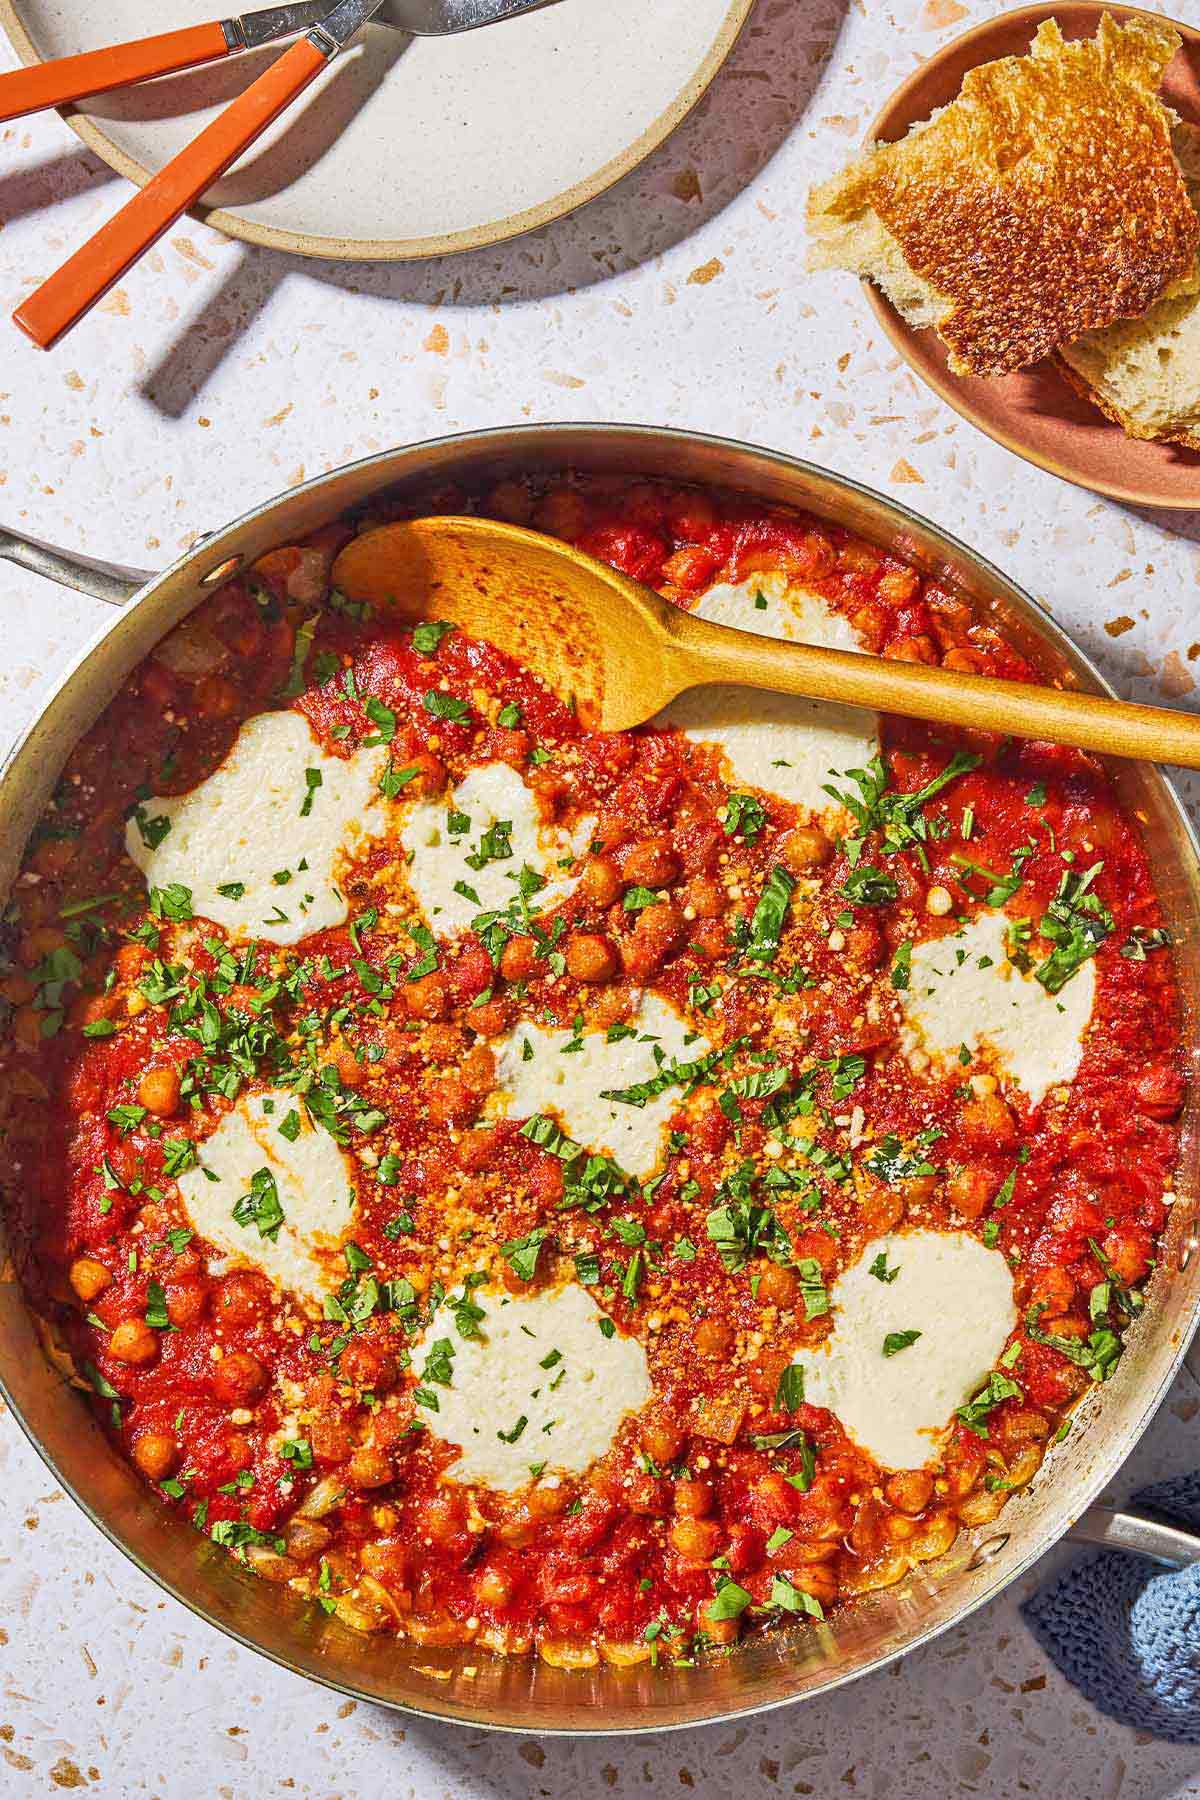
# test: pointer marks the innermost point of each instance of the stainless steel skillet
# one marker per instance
(530, 1696)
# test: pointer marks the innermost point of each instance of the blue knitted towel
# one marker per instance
(1126, 1632)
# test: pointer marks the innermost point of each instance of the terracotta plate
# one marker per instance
(409, 147)
(1034, 412)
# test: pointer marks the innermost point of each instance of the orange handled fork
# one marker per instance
(87, 276)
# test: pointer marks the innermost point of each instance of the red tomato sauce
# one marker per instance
(728, 1504)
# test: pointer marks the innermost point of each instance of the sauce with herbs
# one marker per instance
(802, 1117)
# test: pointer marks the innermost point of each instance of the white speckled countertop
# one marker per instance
(218, 375)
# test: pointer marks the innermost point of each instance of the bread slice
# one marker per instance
(1145, 373)
(1043, 203)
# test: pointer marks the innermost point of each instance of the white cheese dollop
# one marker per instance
(541, 1359)
(244, 825)
(313, 1185)
(538, 1072)
(786, 745)
(953, 1290)
(963, 990)
(438, 868)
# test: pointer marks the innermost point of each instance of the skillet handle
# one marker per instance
(100, 580)
(1135, 1532)
(99, 71)
(86, 277)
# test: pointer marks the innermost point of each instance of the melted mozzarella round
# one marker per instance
(244, 825)
(958, 1295)
(538, 1071)
(964, 990)
(312, 1181)
(778, 742)
(542, 1385)
(439, 868)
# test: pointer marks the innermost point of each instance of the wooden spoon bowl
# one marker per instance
(621, 652)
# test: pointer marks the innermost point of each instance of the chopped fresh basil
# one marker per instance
(429, 634)
(446, 706)
(895, 1341)
(261, 1207)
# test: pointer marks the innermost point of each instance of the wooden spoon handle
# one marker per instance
(715, 653)
(87, 276)
(99, 71)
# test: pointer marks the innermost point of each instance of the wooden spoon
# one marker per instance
(623, 652)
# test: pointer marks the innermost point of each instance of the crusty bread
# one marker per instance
(1043, 203)
(1145, 373)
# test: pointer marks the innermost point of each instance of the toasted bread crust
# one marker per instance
(1042, 203)
(1130, 426)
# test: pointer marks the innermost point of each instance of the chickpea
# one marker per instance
(969, 1190)
(518, 959)
(1127, 1255)
(39, 943)
(589, 957)
(186, 1301)
(430, 778)
(988, 1122)
(548, 1499)
(491, 1019)
(1025, 1426)
(967, 662)
(939, 901)
(510, 500)
(87, 1008)
(426, 997)
(241, 1298)
(695, 1539)
(478, 1069)
(776, 1496)
(819, 1580)
(805, 848)
(367, 1365)
(714, 1337)
(658, 931)
(910, 1491)
(777, 1286)
(88, 1277)
(563, 514)
(216, 697)
(881, 1207)
(369, 1467)
(133, 1342)
(158, 1091)
(651, 863)
(475, 1149)
(493, 1587)
(719, 1631)
(1055, 1288)
(600, 882)
(155, 1453)
(27, 1028)
(451, 1102)
(704, 897)
(693, 1499)
(306, 1538)
(331, 1440)
(442, 1518)
(661, 1441)
(918, 649)
(898, 586)
(53, 857)
(239, 1378)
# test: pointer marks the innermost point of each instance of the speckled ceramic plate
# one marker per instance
(1034, 412)
(409, 147)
